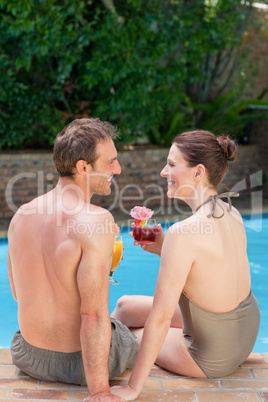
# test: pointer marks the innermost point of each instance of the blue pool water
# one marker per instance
(137, 274)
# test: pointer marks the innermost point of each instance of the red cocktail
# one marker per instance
(145, 235)
(145, 229)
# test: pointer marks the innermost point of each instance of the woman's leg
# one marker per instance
(133, 311)
(174, 355)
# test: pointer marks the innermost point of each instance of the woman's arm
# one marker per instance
(176, 261)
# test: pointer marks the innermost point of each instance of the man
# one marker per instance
(60, 253)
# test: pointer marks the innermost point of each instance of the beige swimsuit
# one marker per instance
(220, 342)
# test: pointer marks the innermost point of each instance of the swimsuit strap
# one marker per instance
(214, 199)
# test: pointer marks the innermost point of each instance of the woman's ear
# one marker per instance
(199, 172)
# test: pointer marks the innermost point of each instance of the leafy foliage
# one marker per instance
(228, 112)
(143, 65)
(41, 42)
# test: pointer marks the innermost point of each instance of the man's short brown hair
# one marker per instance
(78, 141)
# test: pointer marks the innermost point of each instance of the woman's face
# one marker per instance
(180, 177)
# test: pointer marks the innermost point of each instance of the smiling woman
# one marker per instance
(217, 311)
(189, 159)
(177, 174)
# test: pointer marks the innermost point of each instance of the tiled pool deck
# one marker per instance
(248, 383)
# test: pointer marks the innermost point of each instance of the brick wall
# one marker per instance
(27, 175)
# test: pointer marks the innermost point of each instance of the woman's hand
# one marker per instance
(104, 397)
(125, 392)
(156, 247)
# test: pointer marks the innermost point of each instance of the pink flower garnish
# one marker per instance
(141, 213)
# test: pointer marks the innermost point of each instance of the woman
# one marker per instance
(204, 267)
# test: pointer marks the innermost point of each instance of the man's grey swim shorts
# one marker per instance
(48, 365)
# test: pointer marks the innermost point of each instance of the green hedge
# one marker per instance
(143, 65)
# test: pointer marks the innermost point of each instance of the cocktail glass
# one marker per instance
(146, 234)
(117, 256)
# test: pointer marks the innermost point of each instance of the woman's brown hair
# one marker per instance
(213, 152)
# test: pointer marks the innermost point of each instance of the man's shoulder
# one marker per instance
(33, 207)
(94, 213)
(90, 224)
(24, 210)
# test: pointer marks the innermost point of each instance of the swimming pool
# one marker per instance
(137, 274)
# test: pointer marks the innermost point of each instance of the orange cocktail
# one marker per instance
(117, 255)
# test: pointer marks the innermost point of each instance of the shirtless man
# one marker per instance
(60, 253)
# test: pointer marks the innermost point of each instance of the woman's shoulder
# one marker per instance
(179, 225)
(196, 224)
(236, 214)
(232, 214)
(200, 224)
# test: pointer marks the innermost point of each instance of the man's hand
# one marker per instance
(104, 397)
(116, 228)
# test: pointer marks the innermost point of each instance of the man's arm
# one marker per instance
(10, 276)
(93, 284)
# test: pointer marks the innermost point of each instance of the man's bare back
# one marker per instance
(45, 258)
